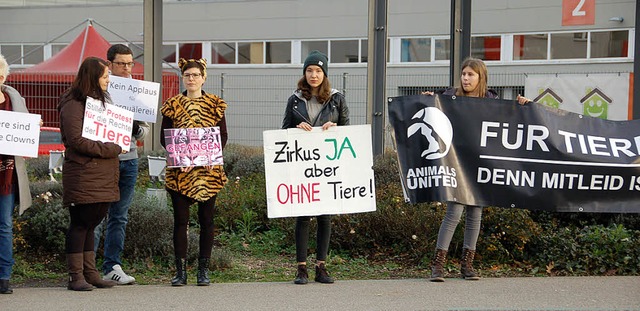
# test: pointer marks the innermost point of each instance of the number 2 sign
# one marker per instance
(578, 12)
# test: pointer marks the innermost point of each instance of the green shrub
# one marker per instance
(38, 168)
(43, 227)
(150, 229)
(591, 250)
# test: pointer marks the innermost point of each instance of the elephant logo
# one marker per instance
(436, 128)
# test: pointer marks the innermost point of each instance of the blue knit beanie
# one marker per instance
(316, 58)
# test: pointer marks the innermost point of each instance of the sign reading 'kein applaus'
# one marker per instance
(319, 172)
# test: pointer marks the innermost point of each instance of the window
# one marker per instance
(250, 53)
(308, 46)
(169, 53)
(12, 53)
(56, 48)
(364, 50)
(138, 51)
(486, 48)
(223, 53)
(443, 49)
(415, 50)
(190, 50)
(278, 52)
(532, 46)
(568, 45)
(33, 54)
(344, 51)
(609, 44)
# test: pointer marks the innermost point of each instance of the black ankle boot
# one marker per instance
(322, 276)
(181, 273)
(203, 272)
(302, 277)
(4, 287)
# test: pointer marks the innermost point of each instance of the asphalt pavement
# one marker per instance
(532, 293)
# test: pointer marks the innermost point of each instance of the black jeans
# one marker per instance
(322, 237)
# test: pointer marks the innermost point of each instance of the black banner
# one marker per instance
(490, 152)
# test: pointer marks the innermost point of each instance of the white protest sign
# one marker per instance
(319, 172)
(107, 124)
(19, 133)
(138, 96)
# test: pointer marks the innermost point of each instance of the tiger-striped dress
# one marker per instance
(199, 184)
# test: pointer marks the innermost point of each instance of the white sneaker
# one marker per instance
(119, 276)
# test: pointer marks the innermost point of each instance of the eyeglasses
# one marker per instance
(191, 75)
(121, 64)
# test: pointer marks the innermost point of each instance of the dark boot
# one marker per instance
(466, 265)
(76, 278)
(4, 287)
(181, 273)
(203, 272)
(322, 275)
(437, 265)
(91, 274)
(302, 277)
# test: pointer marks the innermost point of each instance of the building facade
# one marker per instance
(255, 48)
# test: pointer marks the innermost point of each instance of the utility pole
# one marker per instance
(376, 72)
(153, 62)
(460, 35)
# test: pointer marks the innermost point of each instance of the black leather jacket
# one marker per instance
(334, 110)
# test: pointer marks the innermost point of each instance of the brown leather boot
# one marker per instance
(437, 265)
(466, 265)
(91, 274)
(76, 278)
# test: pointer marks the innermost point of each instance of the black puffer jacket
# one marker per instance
(334, 110)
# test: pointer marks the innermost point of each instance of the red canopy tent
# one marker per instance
(42, 84)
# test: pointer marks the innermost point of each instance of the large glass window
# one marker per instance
(532, 46)
(12, 53)
(223, 53)
(250, 53)
(443, 49)
(138, 51)
(308, 46)
(610, 44)
(344, 51)
(415, 50)
(278, 52)
(486, 48)
(568, 45)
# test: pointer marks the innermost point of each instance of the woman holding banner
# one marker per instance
(474, 84)
(14, 183)
(90, 179)
(314, 103)
(194, 184)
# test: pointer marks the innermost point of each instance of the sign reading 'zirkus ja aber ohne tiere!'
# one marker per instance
(319, 172)
(491, 152)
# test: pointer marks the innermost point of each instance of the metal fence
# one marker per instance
(257, 101)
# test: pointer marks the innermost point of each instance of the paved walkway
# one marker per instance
(544, 293)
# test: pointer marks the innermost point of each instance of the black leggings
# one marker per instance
(322, 237)
(84, 219)
(181, 204)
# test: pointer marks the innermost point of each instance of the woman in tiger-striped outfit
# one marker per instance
(187, 185)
